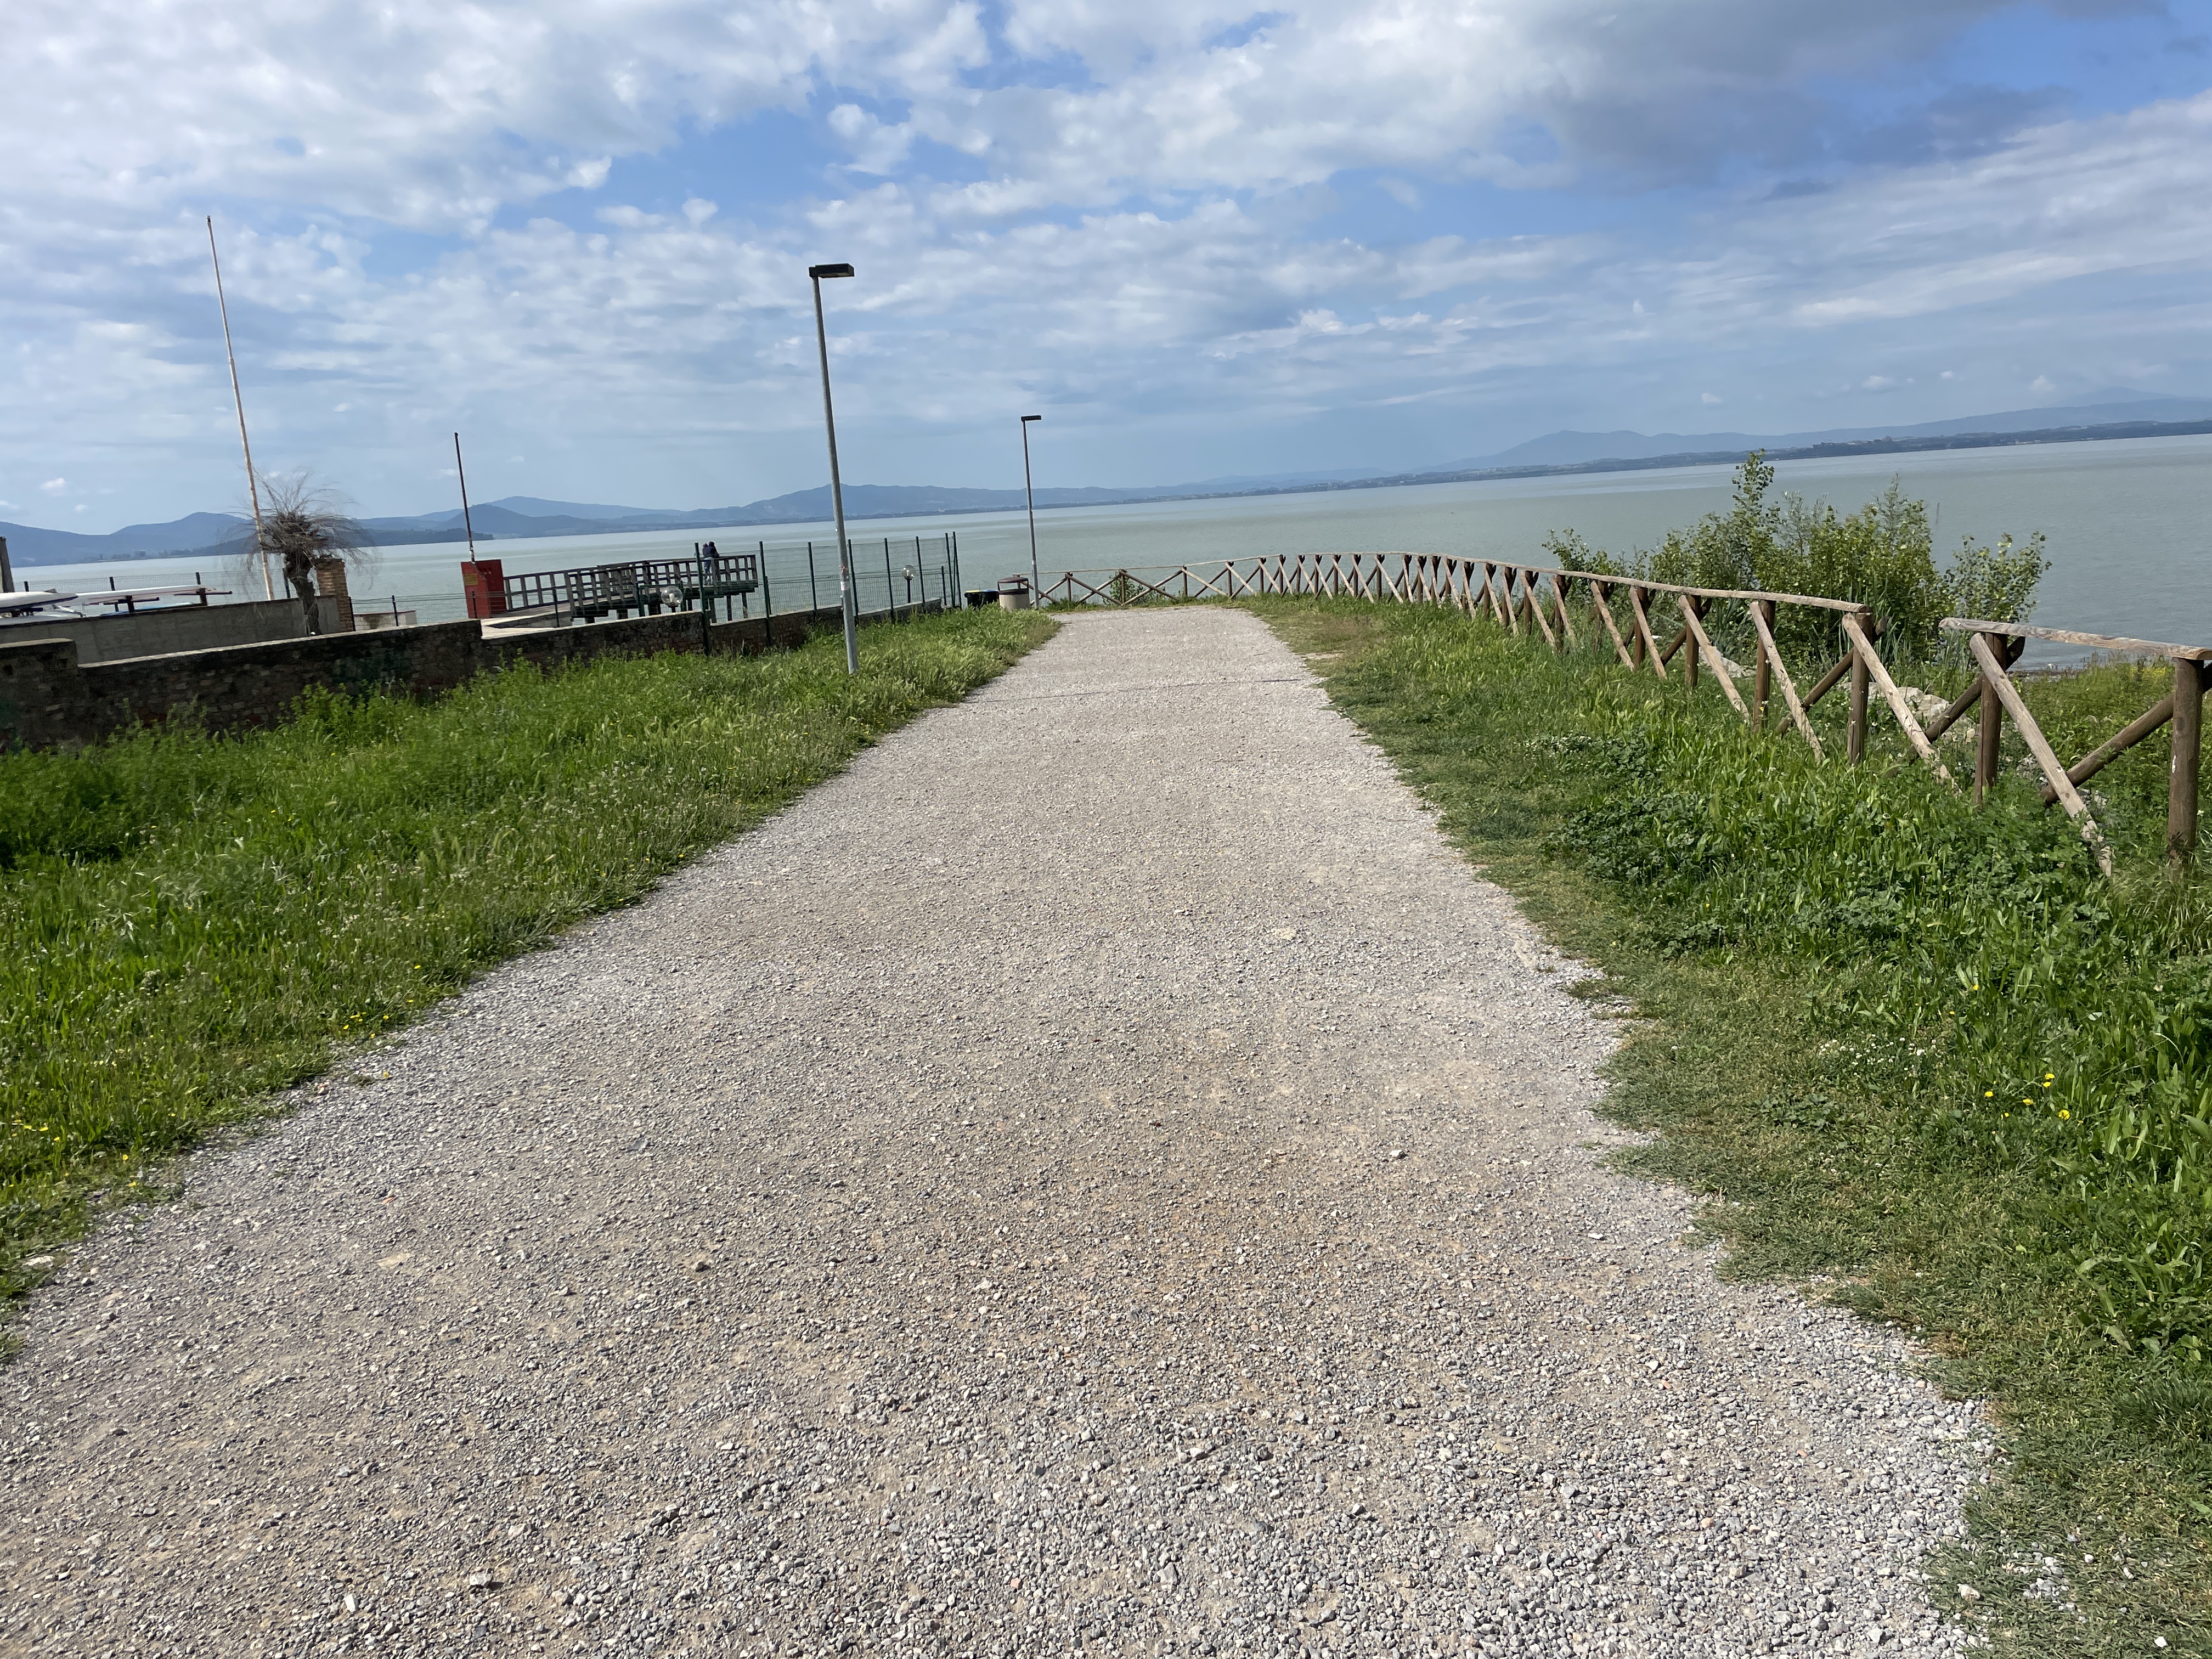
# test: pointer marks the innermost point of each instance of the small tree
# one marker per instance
(305, 524)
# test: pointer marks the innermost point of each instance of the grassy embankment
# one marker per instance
(190, 922)
(1924, 1052)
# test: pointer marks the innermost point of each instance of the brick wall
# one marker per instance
(49, 699)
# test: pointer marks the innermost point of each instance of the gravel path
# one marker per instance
(1102, 1174)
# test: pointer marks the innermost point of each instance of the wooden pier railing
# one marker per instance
(1627, 615)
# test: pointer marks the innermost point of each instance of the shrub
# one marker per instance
(1882, 556)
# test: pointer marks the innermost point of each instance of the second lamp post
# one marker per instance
(847, 598)
(1029, 490)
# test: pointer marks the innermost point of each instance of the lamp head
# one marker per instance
(1026, 419)
(818, 272)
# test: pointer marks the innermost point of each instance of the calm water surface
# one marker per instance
(2129, 526)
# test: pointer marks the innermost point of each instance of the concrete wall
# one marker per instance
(50, 698)
(186, 628)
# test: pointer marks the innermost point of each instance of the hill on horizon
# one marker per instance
(1570, 448)
(515, 516)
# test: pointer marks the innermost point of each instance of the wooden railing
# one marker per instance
(1534, 599)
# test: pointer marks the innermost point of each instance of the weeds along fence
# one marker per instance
(1625, 617)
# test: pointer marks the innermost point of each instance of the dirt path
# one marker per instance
(1102, 1174)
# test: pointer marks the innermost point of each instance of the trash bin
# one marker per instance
(980, 598)
(1013, 592)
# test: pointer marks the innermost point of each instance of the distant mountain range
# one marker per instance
(220, 535)
(1580, 448)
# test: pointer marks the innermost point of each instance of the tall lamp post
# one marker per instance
(848, 600)
(1029, 490)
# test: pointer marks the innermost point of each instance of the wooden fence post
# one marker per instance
(1762, 676)
(2188, 744)
(1856, 735)
(1647, 645)
(1999, 673)
(1990, 730)
(1690, 657)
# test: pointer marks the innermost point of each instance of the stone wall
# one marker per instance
(49, 699)
(182, 628)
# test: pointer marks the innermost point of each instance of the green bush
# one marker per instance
(1882, 556)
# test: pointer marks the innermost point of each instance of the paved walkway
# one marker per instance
(1102, 1175)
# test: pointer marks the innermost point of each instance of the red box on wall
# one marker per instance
(483, 584)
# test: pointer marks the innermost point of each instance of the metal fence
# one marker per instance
(644, 586)
(889, 575)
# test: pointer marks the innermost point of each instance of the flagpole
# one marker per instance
(458, 472)
(252, 486)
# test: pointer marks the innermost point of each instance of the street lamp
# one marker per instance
(1029, 490)
(847, 598)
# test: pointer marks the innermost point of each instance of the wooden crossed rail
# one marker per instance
(1534, 599)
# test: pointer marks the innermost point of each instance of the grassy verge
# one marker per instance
(1922, 1054)
(189, 923)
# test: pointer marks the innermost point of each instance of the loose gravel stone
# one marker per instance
(1101, 1175)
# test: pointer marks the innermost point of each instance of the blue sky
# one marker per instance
(1199, 241)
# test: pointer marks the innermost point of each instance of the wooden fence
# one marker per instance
(1626, 615)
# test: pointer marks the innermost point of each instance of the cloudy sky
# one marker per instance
(1200, 240)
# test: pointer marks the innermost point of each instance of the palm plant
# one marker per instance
(304, 525)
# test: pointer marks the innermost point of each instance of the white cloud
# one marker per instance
(1137, 246)
(874, 147)
(55, 486)
(1645, 91)
(416, 112)
(434, 116)
(2076, 198)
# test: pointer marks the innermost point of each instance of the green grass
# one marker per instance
(190, 922)
(1923, 1055)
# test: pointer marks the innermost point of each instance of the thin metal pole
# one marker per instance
(813, 587)
(1030, 490)
(468, 524)
(847, 598)
(891, 593)
(705, 604)
(767, 594)
(237, 399)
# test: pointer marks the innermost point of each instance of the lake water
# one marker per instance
(2130, 525)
